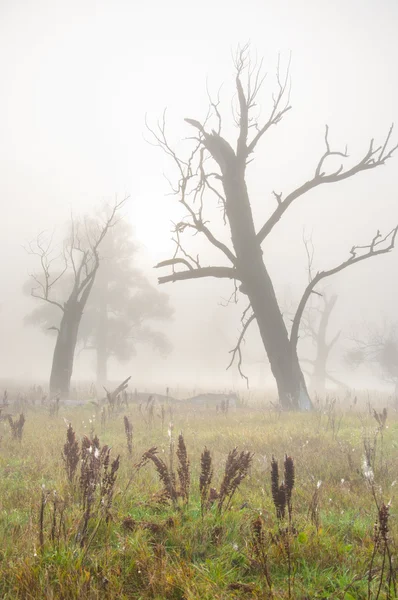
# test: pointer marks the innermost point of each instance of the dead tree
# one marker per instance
(214, 166)
(80, 256)
(315, 325)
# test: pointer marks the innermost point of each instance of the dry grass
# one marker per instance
(110, 523)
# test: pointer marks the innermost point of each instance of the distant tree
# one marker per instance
(120, 309)
(79, 259)
(315, 323)
(315, 326)
(377, 348)
(213, 167)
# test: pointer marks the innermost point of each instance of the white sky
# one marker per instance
(78, 78)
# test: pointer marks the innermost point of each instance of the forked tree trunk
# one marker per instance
(62, 366)
(257, 284)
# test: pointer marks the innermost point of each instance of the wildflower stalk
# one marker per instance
(206, 476)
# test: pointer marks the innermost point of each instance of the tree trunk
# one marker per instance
(282, 356)
(257, 284)
(323, 348)
(62, 366)
(102, 343)
(318, 377)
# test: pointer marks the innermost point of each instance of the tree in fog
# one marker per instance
(315, 326)
(377, 348)
(79, 257)
(120, 309)
(215, 167)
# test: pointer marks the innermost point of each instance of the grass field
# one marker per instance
(161, 530)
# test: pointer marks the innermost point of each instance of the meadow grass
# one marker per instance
(137, 543)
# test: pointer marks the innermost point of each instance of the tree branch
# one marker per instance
(247, 100)
(333, 341)
(88, 281)
(277, 111)
(47, 300)
(83, 274)
(194, 180)
(354, 258)
(373, 158)
(219, 272)
(237, 350)
(200, 227)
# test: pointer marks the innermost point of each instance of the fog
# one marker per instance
(78, 81)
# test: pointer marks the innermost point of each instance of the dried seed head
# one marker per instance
(384, 513)
(236, 469)
(183, 471)
(281, 505)
(289, 476)
(71, 453)
(274, 480)
(258, 531)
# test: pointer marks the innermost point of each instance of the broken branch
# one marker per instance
(219, 272)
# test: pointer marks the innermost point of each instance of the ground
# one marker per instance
(142, 545)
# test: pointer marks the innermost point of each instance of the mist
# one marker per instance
(80, 82)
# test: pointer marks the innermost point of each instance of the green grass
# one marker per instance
(187, 556)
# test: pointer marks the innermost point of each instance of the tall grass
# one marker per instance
(195, 517)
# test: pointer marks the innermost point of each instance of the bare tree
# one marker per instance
(214, 166)
(80, 256)
(315, 324)
(121, 310)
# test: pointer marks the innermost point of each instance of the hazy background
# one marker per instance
(78, 78)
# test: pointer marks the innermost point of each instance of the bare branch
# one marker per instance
(373, 158)
(373, 249)
(233, 299)
(193, 181)
(174, 261)
(214, 106)
(278, 197)
(84, 272)
(48, 300)
(200, 227)
(244, 120)
(237, 351)
(247, 100)
(278, 110)
(84, 286)
(46, 281)
(218, 272)
(310, 251)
